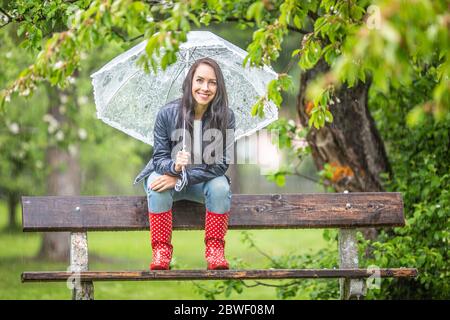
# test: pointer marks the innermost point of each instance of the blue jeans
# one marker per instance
(215, 194)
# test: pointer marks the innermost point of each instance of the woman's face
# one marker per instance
(204, 85)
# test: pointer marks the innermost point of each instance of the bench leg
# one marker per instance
(348, 255)
(82, 290)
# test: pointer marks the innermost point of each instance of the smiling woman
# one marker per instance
(203, 106)
(204, 88)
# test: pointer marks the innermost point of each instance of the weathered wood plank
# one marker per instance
(318, 210)
(215, 274)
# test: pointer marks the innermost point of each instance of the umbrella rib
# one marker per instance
(192, 53)
(209, 56)
(181, 67)
(176, 77)
(179, 72)
(121, 86)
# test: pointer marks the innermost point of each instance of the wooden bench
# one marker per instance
(346, 211)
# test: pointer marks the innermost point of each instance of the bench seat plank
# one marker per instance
(272, 211)
(216, 274)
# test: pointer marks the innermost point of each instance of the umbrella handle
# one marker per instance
(181, 183)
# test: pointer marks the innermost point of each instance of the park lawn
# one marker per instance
(131, 251)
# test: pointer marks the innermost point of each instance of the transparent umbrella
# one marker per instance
(127, 98)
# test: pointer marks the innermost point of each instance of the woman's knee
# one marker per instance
(218, 195)
(217, 188)
(152, 177)
(158, 201)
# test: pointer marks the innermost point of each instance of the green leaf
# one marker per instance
(415, 117)
(184, 24)
(285, 81)
(152, 45)
(328, 116)
(297, 22)
(255, 11)
(205, 19)
(280, 180)
(21, 29)
(312, 119)
(295, 52)
(255, 109)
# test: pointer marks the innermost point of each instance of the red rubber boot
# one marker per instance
(216, 226)
(161, 237)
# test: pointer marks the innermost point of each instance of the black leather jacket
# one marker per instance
(162, 162)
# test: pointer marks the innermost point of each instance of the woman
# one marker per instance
(204, 106)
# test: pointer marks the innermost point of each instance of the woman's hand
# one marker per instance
(163, 183)
(181, 160)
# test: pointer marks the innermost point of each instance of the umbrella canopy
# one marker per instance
(127, 98)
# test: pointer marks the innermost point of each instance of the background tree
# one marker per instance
(40, 142)
(22, 138)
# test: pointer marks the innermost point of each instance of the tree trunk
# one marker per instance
(352, 141)
(351, 144)
(63, 180)
(13, 201)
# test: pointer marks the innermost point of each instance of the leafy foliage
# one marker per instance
(420, 157)
(354, 37)
(317, 289)
(28, 129)
(389, 43)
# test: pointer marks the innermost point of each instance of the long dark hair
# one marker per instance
(217, 109)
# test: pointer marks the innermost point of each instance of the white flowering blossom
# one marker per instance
(73, 150)
(20, 154)
(14, 128)
(59, 136)
(39, 164)
(71, 80)
(58, 65)
(64, 98)
(82, 133)
(299, 143)
(83, 100)
(25, 92)
(52, 123)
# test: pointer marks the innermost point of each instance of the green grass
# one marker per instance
(132, 251)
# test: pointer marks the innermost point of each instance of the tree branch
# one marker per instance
(306, 177)
(135, 38)
(314, 16)
(229, 19)
(6, 13)
(291, 28)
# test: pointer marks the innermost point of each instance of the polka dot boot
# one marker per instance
(216, 226)
(161, 236)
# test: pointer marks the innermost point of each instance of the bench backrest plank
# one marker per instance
(316, 210)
